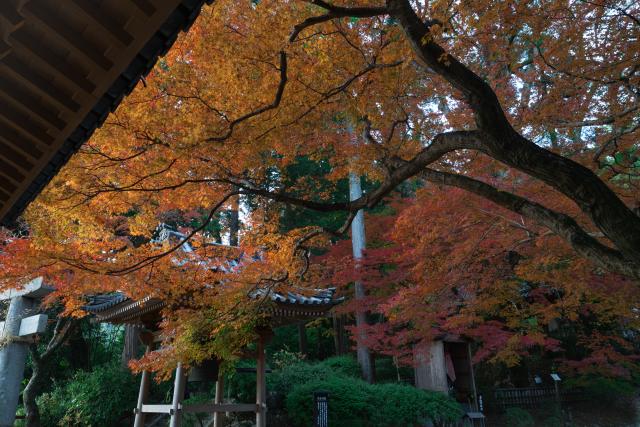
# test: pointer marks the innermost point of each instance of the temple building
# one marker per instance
(281, 309)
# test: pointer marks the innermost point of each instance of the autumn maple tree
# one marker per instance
(531, 107)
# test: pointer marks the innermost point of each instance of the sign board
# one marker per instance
(321, 408)
(33, 325)
(555, 377)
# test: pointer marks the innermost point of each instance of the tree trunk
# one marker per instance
(358, 243)
(234, 222)
(29, 395)
(40, 362)
(503, 143)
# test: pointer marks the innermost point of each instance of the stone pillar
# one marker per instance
(13, 357)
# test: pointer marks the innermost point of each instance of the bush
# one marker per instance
(355, 403)
(99, 398)
(518, 417)
(283, 380)
(603, 389)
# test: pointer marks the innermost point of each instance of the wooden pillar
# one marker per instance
(302, 338)
(178, 394)
(476, 404)
(261, 385)
(131, 344)
(142, 397)
(218, 417)
(430, 369)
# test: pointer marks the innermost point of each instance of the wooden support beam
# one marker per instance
(19, 94)
(37, 81)
(56, 27)
(8, 11)
(159, 409)
(145, 6)
(142, 397)
(105, 21)
(215, 408)
(26, 124)
(22, 144)
(61, 67)
(218, 417)
(178, 395)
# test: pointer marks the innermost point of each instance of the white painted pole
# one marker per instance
(261, 385)
(358, 244)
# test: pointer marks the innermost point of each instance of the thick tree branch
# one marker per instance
(562, 225)
(619, 223)
(334, 12)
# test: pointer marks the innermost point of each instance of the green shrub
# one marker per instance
(91, 399)
(600, 388)
(283, 380)
(518, 417)
(354, 403)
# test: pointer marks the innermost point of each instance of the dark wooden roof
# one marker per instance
(117, 308)
(64, 65)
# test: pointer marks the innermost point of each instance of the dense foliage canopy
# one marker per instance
(531, 107)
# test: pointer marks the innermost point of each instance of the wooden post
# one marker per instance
(178, 394)
(302, 338)
(430, 369)
(218, 417)
(261, 385)
(476, 404)
(142, 396)
(131, 344)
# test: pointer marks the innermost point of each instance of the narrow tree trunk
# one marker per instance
(40, 362)
(234, 222)
(29, 395)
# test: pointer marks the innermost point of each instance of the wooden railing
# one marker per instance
(528, 397)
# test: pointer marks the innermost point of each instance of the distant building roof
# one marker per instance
(116, 307)
(64, 66)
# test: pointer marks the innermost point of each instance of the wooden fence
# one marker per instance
(530, 397)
